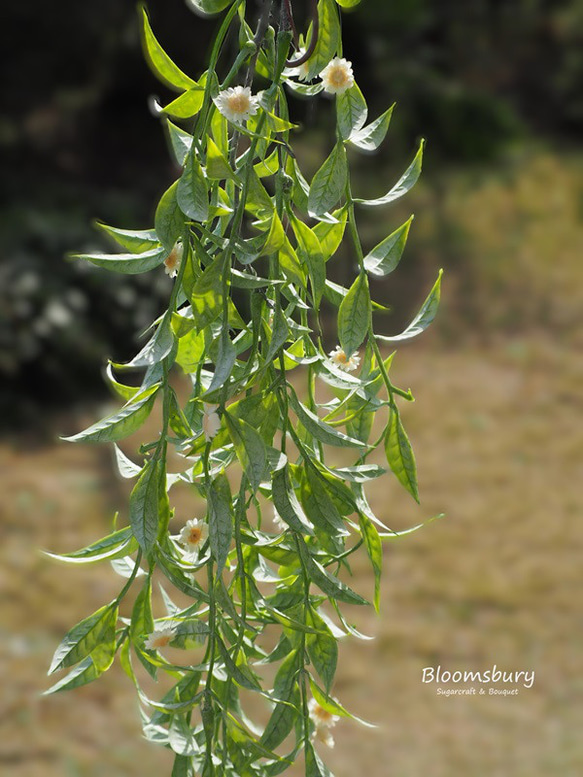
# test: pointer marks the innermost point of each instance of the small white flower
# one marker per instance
(211, 423)
(173, 260)
(346, 363)
(337, 76)
(301, 72)
(159, 638)
(322, 734)
(237, 103)
(321, 717)
(193, 535)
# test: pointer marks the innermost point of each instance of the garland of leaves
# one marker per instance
(249, 280)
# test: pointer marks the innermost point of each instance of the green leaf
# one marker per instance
(400, 454)
(190, 351)
(323, 650)
(146, 506)
(374, 549)
(192, 193)
(142, 621)
(354, 315)
(258, 201)
(310, 252)
(275, 237)
(83, 673)
(137, 241)
(383, 259)
(187, 105)
(351, 111)
(121, 424)
(207, 297)
(286, 503)
(279, 335)
(330, 234)
(83, 638)
(226, 357)
(327, 582)
(348, 3)
(328, 38)
(406, 182)
(424, 318)
(217, 167)
(250, 449)
(156, 349)
(189, 633)
(315, 767)
(128, 264)
(169, 219)
(160, 62)
(329, 183)
(181, 142)
(209, 6)
(220, 520)
(283, 715)
(320, 429)
(369, 138)
(119, 543)
(320, 506)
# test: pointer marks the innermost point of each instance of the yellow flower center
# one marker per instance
(171, 260)
(337, 76)
(323, 715)
(239, 103)
(162, 641)
(342, 357)
(195, 535)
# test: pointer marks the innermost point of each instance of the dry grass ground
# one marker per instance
(500, 450)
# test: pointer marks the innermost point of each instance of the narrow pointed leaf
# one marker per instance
(374, 549)
(329, 182)
(160, 62)
(121, 424)
(146, 514)
(128, 264)
(351, 111)
(250, 448)
(406, 182)
(354, 315)
(327, 582)
(192, 192)
(328, 38)
(286, 503)
(119, 543)
(320, 429)
(423, 319)
(137, 241)
(220, 520)
(400, 454)
(370, 138)
(83, 638)
(169, 219)
(384, 258)
(310, 253)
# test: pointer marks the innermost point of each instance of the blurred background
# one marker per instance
(496, 88)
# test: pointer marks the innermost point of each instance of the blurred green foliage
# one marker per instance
(77, 141)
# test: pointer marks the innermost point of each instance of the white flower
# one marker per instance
(337, 76)
(193, 535)
(159, 638)
(340, 359)
(237, 103)
(322, 734)
(211, 423)
(301, 72)
(173, 260)
(323, 722)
